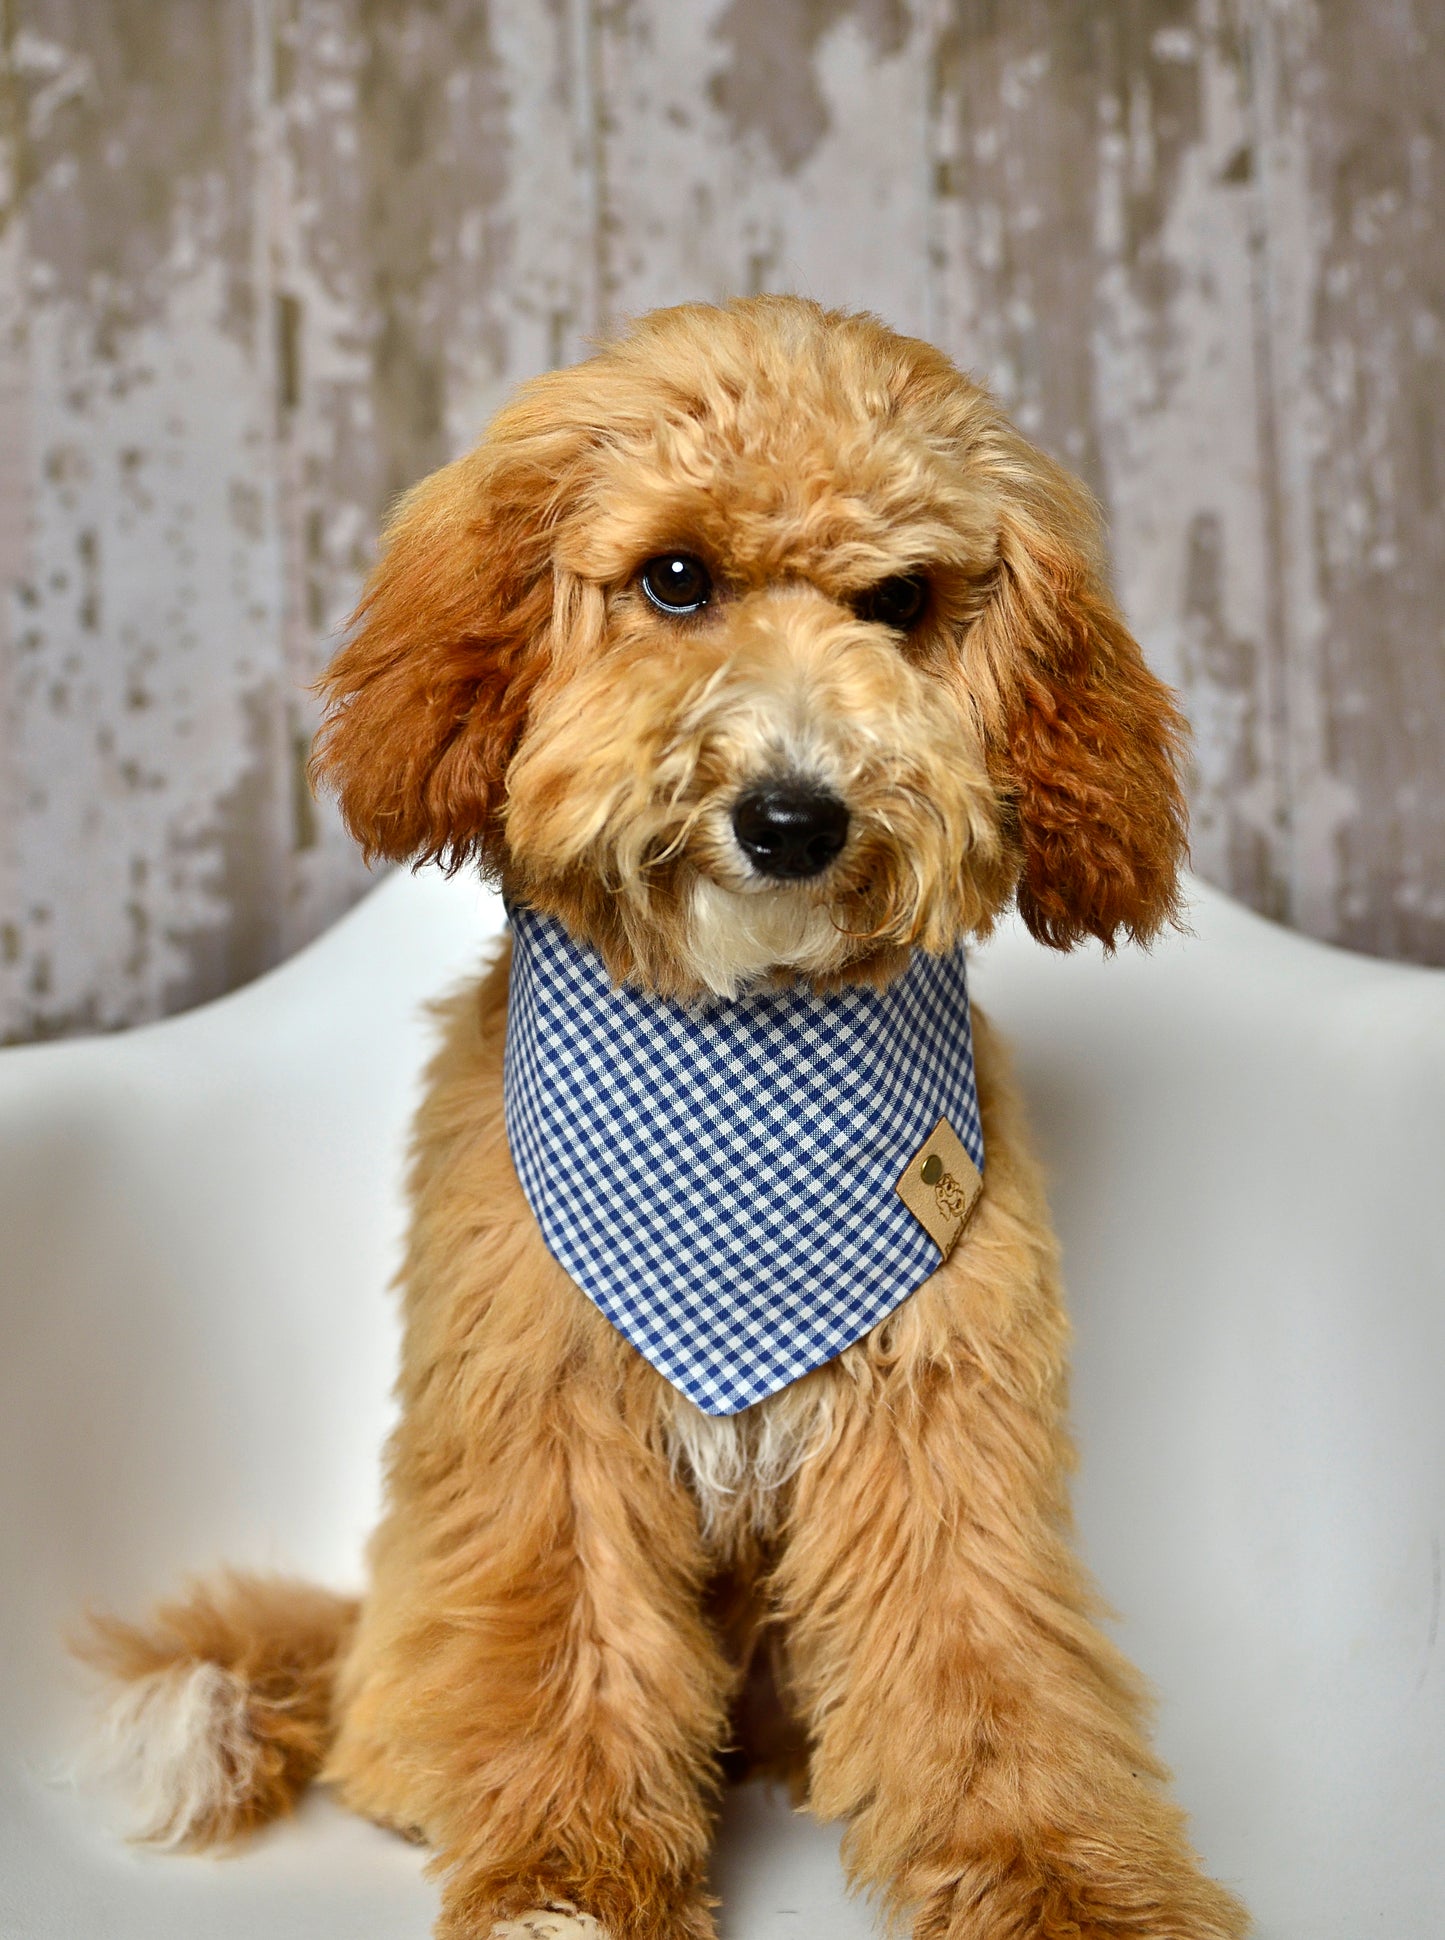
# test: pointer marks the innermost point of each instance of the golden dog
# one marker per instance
(737, 547)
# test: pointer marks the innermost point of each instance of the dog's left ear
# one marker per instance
(1092, 741)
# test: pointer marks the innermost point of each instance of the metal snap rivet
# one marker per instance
(932, 1169)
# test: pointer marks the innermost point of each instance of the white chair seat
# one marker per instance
(1246, 1136)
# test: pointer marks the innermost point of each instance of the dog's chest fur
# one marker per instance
(738, 1467)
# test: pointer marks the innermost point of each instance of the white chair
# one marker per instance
(1246, 1136)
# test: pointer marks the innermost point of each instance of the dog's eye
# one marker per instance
(676, 582)
(899, 602)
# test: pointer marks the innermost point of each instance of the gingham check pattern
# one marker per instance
(720, 1180)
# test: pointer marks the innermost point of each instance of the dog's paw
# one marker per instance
(557, 1921)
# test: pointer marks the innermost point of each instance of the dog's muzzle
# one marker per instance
(790, 829)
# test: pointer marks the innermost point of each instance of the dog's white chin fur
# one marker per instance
(736, 936)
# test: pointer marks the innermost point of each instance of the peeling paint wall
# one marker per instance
(263, 262)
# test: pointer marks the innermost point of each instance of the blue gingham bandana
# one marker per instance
(722, 1179)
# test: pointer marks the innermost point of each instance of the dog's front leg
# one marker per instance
(534, 1686)
(975, 1729)
(592, 1783)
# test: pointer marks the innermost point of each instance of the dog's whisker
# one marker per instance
(863, 936)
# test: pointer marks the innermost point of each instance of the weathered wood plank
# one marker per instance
(14, 515)
(431, 228)
(268, 263)
(1098, 214)
(264, 262)
(744, 146)
(1197, 248)
(1354, 188)
(143, 630)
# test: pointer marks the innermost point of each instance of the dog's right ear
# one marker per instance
(427, 700)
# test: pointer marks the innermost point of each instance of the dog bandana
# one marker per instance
(747, 1186)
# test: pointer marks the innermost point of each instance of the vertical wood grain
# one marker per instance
(268, 262)
(745, 146)
(427, 218)
(1354, 189)
(14, 506)
(143, 626)
(265, 262)
(1096, 179)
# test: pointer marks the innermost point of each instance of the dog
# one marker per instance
(764, 663)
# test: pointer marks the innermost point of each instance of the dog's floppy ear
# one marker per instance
(427, 700)
(1092, 740)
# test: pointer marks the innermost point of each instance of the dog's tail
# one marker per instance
(222, 1711)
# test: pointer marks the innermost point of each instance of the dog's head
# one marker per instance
(760, 642)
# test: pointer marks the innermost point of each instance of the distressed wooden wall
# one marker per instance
(262, 262)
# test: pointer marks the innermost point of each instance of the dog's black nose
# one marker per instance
(790, 828)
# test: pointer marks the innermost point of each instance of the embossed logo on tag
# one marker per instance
(940, 1186)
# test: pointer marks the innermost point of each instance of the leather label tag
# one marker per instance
(940, 1186)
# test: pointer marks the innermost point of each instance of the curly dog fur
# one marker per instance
(586, 1600)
